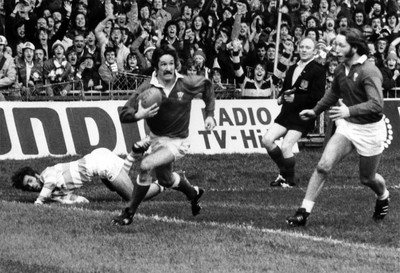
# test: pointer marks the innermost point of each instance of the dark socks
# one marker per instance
(277, 156)
(289, 169)
(139, 192)
(185, 187)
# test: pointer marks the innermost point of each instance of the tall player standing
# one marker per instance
(357, 86)
(169, 128)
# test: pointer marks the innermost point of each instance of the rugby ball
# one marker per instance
(150, 96)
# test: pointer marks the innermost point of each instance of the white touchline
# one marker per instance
(245, 226)
(294, 234)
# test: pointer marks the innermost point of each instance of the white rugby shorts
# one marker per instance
(368, 139)
(177, 146)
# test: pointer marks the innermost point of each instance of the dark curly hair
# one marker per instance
(18, 177)
(165, 49)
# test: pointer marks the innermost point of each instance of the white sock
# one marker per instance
(384, 196)
(308, 205)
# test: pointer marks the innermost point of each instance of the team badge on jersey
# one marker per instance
(304, 85)
(180, 95)
(355, 76)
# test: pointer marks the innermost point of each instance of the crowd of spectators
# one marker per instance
(58, 42)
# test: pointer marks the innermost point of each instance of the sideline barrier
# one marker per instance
(37, 129)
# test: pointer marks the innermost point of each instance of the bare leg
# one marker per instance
(336, 149)
(368, 175)
(160, 157)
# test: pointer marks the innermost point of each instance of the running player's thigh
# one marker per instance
(274, 132)
(161, 156)
(336, 149)
(369, 165)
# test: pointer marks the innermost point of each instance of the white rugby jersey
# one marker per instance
(62, 178)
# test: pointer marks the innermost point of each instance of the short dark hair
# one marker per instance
(18, 177)
(165, 49)
(110, 49)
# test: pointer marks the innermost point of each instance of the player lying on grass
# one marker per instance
(57, 183)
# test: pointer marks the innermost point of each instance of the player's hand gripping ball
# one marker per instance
(150, 96)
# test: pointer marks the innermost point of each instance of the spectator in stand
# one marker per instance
(199, 58)
(312, 22)
(92, 48)
(331, 64)
(312, 33)
(18, 56)
(376, 11)
(271, 52)
(199, 28)
(72, 58)
(15, 31)
(144, 40)
(78, 46)
(7, 69)
(50, 27)
(360, 19)
(89, 74)
(376, 24)
(115, 40)
(29, 71)
(216, 79)
(189, 67)
(303, 18)
(390, 74)
(173, 7)
(367, 32)
(132, 63)
(109, 69)
(323, 11)
(392, 22)
(40, 37)
(223, 6)
(298, 33)
(382, 47)
(219, 52)
(187, 14)
(159, 15)
(57, 72)
(78, 26)
(40, 56)
(258, 56)
(144, 12)
(329, 33)
(128, 16)
(170, 37)
(181, 30)
(260, 85)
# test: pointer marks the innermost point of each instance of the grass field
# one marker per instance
(241, 228)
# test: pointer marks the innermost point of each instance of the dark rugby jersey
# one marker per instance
(173, 117)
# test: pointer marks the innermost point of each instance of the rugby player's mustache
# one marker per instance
(167, 73)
